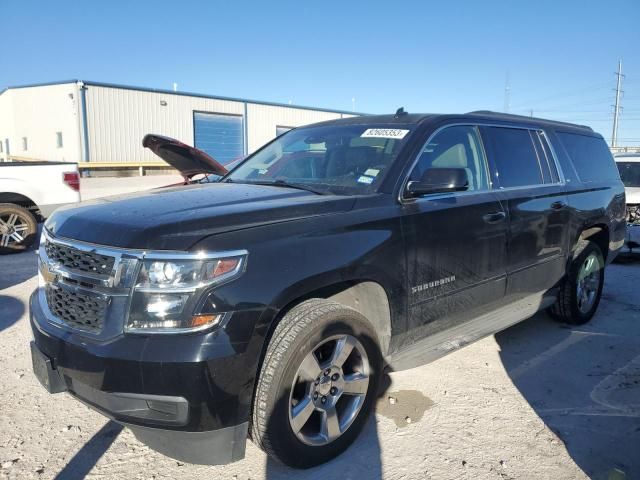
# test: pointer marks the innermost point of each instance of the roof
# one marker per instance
(485, 116)
(171, 92)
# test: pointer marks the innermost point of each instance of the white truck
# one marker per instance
(29, 193)
(629, 167)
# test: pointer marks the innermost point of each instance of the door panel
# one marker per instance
(529, 186)
(455, 242)
(456, 259)
(538, 236)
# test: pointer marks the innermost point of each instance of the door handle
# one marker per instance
(558, 205)
(494, 217)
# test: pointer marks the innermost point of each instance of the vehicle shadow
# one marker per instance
(584, 382)
(11, 310)
(17, 268)
(361, 460)
(87, 457)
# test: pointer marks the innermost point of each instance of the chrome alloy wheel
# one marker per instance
(329, 390)
(588, 282)
(13, 229)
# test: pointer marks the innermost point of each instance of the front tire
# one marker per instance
(317, 385)
(581, 290)
(18, 228)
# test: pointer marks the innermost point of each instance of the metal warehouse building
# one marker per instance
(99, 124)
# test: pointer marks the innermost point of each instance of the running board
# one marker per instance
(440, 344)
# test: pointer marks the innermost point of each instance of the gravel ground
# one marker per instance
(539, 400)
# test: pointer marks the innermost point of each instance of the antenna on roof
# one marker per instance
(400, 112)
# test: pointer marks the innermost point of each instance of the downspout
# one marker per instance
(246, 131)
(84, 129)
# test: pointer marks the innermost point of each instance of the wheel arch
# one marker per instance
(21, 200)
(599, 234)
(367, 297)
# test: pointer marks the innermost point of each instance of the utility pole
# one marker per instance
(617, 108)
(507, 95)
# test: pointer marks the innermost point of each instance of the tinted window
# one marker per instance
(455, 147)
(590, 156)
(629, 173)
(221, 136)
(514, 157)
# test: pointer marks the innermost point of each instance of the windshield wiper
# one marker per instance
(283, 183)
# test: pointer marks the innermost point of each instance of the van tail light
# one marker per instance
(72, 179)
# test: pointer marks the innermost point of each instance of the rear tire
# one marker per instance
(581, 290)
(18, 228)
(317, 385)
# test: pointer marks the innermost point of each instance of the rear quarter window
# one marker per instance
(590, 157)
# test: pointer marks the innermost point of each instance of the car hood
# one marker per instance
(189, 161)
(177, 218)
(633, 195)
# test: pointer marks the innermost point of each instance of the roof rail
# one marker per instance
(490, 113)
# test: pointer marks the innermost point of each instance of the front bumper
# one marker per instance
(186, 396)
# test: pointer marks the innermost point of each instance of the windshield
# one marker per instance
(629, 173)
(339, 159)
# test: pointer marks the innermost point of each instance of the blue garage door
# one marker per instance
(221, 136)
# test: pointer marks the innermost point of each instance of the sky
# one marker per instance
(558, 58)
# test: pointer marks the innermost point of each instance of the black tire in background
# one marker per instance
(571, 307)
(309, 324)
(18, 228)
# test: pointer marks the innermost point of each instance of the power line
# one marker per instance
(567, 93)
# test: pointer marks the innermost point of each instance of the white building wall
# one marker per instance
(118, 119)
(37, 114)
(6, 122)
(263, 120)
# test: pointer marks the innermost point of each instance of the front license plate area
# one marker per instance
(49, 377)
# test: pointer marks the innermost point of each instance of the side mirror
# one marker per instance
(439, 180)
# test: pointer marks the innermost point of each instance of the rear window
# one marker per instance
(590, 156)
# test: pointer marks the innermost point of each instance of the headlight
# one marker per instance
(167, 290)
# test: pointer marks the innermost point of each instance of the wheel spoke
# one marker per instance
(21, 228)
(310, 368)
(355, 384)
(17, 237)
(300, 414)
(330, 424)
(12, 219)
(5, 240)
(343, 349)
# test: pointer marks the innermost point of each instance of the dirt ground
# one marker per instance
(539, 400)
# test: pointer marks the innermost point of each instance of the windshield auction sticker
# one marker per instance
(384, 133)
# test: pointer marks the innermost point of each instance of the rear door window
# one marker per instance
(590, 156)
(514, 157)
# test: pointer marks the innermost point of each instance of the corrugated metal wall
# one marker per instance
(119, 118)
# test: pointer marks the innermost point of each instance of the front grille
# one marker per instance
(77, 310)
(79, 260)
(633, 214)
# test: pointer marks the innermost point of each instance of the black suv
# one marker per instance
(268, 304)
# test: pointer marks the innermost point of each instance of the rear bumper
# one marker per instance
(186, 396)
(632, 240)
